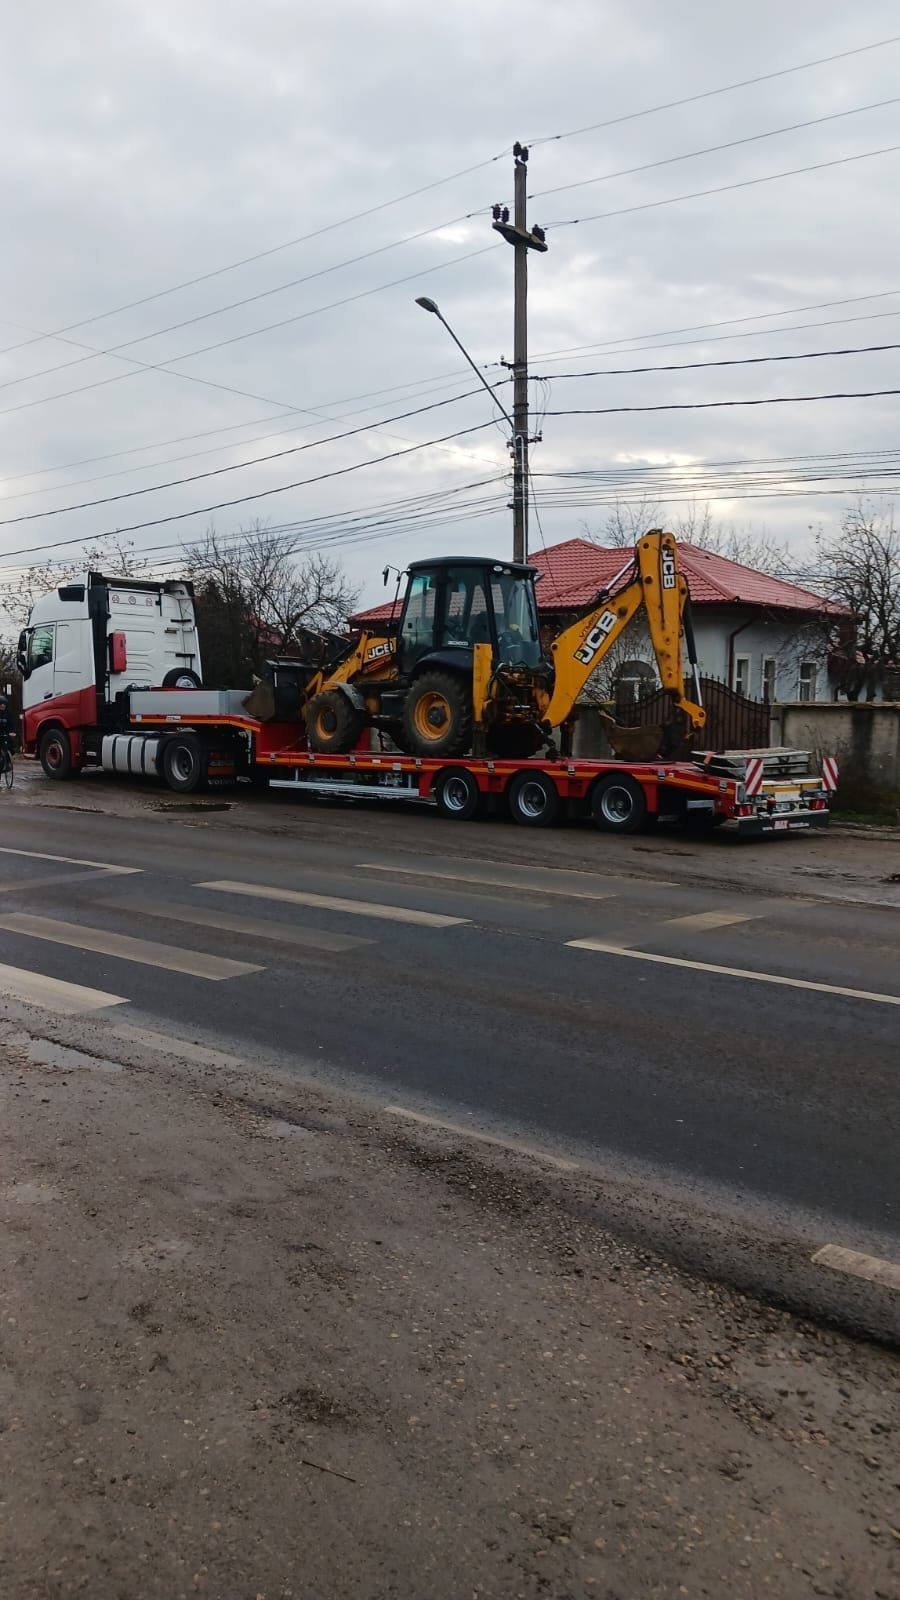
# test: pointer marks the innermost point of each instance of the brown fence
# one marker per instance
(732, 721)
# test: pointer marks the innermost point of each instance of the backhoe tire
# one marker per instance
(437, 715)
(55, 752)
(618, 804)
(514, 741)
(333, 723)
(457, 795)
(534, 800)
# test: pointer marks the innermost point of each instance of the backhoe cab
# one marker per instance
(463, 669)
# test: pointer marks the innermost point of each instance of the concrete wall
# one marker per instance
(864, 737)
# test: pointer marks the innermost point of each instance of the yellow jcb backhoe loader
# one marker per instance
(464, 669)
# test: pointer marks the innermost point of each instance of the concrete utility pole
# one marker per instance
(523, 239)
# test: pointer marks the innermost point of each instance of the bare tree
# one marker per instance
(255, 598)
(859, 568)
(625, 521)
(19, 591)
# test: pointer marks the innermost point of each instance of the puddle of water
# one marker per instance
(46, 1053)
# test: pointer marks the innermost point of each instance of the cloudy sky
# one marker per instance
(151, 151)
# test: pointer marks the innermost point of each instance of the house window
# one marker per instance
(741, 684)
(807, 680)
(769, 677)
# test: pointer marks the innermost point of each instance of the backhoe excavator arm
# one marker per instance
(660, 589)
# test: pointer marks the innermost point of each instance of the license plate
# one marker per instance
(782, 822)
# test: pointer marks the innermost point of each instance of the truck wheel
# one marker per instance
(534, 800)
(181, 678)
(437, 715)
(182, 763)
(457, 795)
(55, 751)
(333, 723)
(618, 804)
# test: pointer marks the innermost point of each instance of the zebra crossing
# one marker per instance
(624, 931)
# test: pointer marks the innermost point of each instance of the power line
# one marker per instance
(723, 188)
(703, 327)
(261, 255)
(426, 385)
(260, 494)
(713, 149)
(734, 361)
(712, 405)
(708, 94)
(253, 333)
(236, 466)
(95, 354)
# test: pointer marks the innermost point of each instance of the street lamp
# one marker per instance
(435, 310)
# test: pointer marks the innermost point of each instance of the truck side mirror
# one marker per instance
(22, 655)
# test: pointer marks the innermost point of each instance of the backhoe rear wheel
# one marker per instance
(618, 804)
(437, 715)
(333, 723)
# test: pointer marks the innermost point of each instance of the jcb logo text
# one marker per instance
(603, 626)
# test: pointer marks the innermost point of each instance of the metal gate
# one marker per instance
(732, 721)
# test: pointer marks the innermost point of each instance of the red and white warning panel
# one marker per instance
(753, 776)
(829, 773)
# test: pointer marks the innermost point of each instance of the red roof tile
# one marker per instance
(575, 570)
(572, 573)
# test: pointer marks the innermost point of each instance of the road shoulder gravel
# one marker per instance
(263, 1341)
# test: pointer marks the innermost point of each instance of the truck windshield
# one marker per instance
(515, 613)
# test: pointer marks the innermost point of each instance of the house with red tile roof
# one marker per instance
(763, 636)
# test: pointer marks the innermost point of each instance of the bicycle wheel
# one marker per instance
(8, 773)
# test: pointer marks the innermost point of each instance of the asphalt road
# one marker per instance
(736, 1051)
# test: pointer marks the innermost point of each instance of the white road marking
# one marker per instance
(514, 1145)
(494, 881)
(168, 1045)
(54, 994)
(281, 932)
(735, 972)
(72, 861)
(699, 920)
(328, 902)
(143, 951)
(876, 1269)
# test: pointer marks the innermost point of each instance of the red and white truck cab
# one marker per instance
(87, 644)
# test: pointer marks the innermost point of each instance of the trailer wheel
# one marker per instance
(618, 804)
(457, 795)
(182, 763)
(181, 678)
(333, 723)
(534, 800)
(55, 752)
